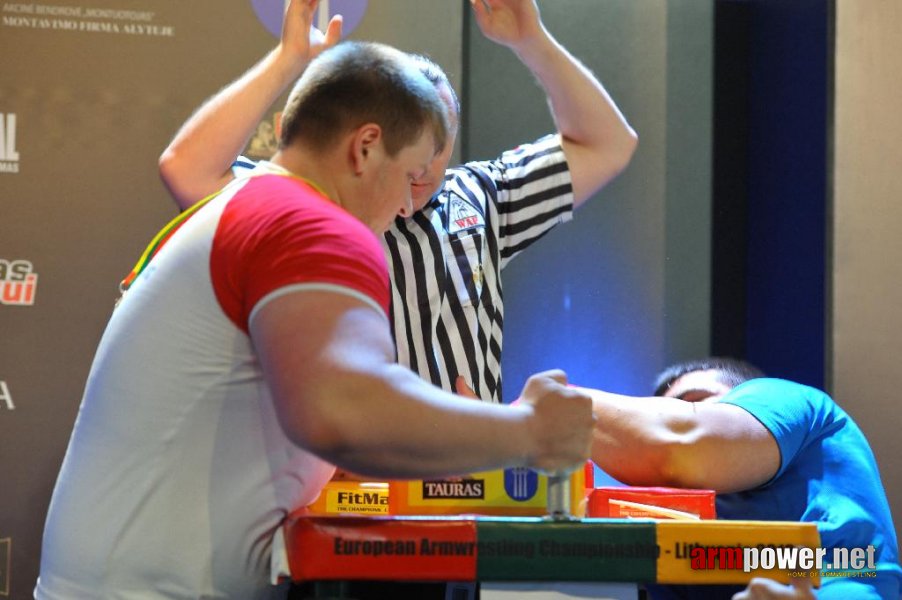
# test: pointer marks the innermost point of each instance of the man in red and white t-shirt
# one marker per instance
(253, 352)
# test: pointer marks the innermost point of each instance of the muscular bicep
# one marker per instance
(320, 351)
(328, 360)
(669, 442)
(730, 450)
(591, 169)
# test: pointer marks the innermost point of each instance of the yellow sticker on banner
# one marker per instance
(509, 492)
(346, 497)
(481, 489)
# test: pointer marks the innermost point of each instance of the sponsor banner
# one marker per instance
(6, 398)
(521, 484)
(527, 548)
(542, 550)
(462, 489)
(509, 492)
(83, 19)
(9, 156)
(352, 497)
(381, 548)
(18, 282)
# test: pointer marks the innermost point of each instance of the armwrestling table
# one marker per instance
(523, 553)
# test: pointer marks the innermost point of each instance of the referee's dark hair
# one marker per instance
(354, 83)
(730, 372)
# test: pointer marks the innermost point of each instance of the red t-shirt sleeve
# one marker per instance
(278, 231)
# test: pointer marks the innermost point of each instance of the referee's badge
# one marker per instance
(462, 214)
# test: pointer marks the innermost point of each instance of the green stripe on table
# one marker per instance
(588, 550)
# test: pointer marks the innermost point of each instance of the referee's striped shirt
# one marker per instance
(445, 261)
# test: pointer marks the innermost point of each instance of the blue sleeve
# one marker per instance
(793, 413)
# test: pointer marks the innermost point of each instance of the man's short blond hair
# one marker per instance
(355, 83)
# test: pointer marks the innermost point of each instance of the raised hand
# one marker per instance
(300, 37)
(511, 23)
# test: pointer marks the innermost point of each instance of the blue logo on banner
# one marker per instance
(270, 13)
(521, 483)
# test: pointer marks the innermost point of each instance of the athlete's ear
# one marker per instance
(277, 124)
(366, 147)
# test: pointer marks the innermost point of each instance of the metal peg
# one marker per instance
(559, 497)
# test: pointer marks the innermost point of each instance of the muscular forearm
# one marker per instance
(338, 394)
(634, 441)
(399, 426)
(197, 162)
(665, 441)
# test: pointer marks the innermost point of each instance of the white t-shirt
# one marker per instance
(178, 473)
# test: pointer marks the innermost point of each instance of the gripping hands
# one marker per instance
(560, 423)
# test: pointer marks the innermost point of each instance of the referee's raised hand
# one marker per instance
(512, 23)
(300, 37)
(561, 422)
